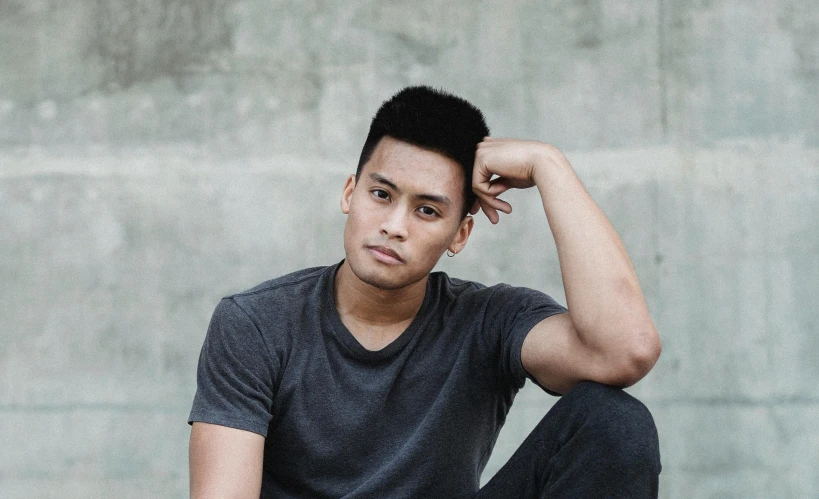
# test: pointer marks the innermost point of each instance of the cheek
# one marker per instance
(356, 219)
(436, 242)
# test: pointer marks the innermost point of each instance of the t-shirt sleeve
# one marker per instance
(513, 312)
(234, 380)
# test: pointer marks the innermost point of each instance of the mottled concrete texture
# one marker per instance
(156, 155)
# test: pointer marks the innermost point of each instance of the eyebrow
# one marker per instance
(435, 198)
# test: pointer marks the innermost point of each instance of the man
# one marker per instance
(377, 378)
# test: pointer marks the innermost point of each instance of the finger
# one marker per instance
(492, 205)
(490, 212)
(499, 205)
(481, 179)
(497, 188)
(475, 207)
(505, 207)
(511, 183)
(500, 185)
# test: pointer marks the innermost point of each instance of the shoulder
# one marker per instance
(499, 306)
(287, 280)
(301, 279)
(509, 294)
(476, 298)
(444, 282)
(270, 314)
(462, 289)
(457, 291)
(296, 288)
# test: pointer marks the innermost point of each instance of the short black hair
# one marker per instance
(434, 120)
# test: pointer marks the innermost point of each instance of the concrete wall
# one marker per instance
(157, 155)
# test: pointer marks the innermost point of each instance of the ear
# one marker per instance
(459, 241)
(347, 194)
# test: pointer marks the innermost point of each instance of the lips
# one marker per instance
(385, 251)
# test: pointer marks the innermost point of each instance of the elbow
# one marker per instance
(645, 352)
(646, 358)
(640, 357)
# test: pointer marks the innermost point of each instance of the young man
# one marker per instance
(376, 378)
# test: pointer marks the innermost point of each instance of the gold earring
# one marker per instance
(450, 254)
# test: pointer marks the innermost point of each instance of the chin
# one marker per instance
(384, 277)
(381, 279)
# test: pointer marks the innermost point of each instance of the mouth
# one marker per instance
(385, 254)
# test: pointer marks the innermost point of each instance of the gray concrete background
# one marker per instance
(157, 155)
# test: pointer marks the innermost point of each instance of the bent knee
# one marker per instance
(620, 425)
(609, 405)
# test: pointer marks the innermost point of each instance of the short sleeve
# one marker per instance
(234, 380)
(513, 312)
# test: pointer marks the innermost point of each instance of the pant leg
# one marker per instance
(597, 441)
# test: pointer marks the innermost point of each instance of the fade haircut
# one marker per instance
(434, 120)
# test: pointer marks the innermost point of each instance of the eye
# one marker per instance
(381, 193)
(428, 211)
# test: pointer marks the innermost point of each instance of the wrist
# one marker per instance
(547, 159)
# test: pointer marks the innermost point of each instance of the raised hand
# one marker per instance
(514, 162)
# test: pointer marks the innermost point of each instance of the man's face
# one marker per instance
(404, 211)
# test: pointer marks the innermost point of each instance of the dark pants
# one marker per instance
(597, 441)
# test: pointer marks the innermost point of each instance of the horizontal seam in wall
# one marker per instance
(733, 402)
(93, 407)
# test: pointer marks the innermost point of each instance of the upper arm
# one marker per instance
(555, 355)
(225, 462)
(236, 375)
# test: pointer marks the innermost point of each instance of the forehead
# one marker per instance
(416, 169)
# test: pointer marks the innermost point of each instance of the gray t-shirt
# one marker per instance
(418, 418)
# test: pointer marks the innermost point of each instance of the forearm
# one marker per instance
(603, 293)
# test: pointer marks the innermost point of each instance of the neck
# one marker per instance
(367, 304)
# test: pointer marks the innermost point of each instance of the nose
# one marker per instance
(394, 226)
